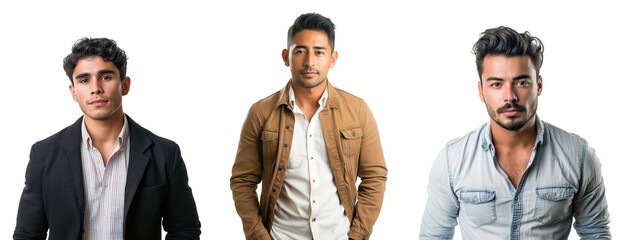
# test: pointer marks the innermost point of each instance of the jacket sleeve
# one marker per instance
(442, 210)
(246, 175)
(32, 222)
(590, 206)
(181, 220)
(373, 174)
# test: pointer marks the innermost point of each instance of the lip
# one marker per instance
(511, 112)
(309, 74)
(98, 102)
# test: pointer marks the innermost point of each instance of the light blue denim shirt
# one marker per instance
(562, 181)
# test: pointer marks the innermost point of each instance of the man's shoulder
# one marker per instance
(472, 139)
(60, 137)
(561, 136)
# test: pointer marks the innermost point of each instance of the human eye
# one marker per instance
(106, 77)
(299, 51)
(495, 84)
(523, 83)
(320, 53)
(83, 80)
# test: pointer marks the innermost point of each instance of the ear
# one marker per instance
(285, 57)
(540, 85)
(125, 85)
(480, 88)
(334, 59)
(74, 95)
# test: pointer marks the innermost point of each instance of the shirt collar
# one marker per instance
(487, 135)
(322, 100)
(122, 136)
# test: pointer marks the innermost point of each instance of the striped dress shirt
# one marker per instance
(104, 187)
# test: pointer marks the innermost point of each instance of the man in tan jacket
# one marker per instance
(308, 143)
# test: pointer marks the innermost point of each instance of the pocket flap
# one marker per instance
(352, 133)
(476, 196)
(269, 136)
(554, 193)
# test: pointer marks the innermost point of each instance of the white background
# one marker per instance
(197, 67)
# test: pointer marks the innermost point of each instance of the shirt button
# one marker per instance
(104, 214)
(313, 180)
(310, 135)
(311, 157)
(313, 220)
(516, 198)
(514, 227)
(313, 201)
(122, 149)
(105, 185)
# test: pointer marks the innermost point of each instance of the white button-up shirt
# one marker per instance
(308, 206)
(104, 187)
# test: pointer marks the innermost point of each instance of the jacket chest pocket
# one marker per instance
(351, 142)
(478, 206)
(553, 204)
(269, 145)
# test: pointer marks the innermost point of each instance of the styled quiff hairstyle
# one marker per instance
(508, 42)
(102, 47)
(312, 21)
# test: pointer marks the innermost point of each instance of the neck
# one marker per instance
(308, 96)
(524, 137)
(107, 130)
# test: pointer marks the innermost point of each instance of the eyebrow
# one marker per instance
(316, 47)
(519, 77)
(104, 71)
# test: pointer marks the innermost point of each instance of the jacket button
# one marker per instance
(353, 134)
(286, 145)
(287, 127)
(280, 169)
(273, 190)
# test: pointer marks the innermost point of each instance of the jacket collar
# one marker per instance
(332, 101)
(487, 144)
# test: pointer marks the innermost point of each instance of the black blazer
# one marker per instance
(156, 189)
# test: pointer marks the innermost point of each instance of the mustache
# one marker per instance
(511, 105)
(310, 69)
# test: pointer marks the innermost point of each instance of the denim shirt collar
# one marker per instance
(487, 144)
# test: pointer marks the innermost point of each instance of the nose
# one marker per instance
(309, 59)
(95, 87)
(510, 93)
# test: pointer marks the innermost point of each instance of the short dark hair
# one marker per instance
(508, 42)
(312, 21)
(102, 47)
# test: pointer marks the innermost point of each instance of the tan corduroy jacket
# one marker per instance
(354, 149)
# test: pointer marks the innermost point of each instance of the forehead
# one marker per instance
(309, 37)
(93, 64)
(504, 65)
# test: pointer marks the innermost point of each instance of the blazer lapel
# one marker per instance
(71, 145)
(138, 160)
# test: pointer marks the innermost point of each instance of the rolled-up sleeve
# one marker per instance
(440, 214)
(590, 206)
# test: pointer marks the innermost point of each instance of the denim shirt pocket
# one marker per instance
(553, 204)
(478, 206)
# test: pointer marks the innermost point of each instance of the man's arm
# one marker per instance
(31, 219)
(440, 214)
(590, 207)
(246, 175)
(373, 174)
(180, 218)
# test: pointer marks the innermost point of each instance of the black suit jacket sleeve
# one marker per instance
(180, 213)
(31, 220)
